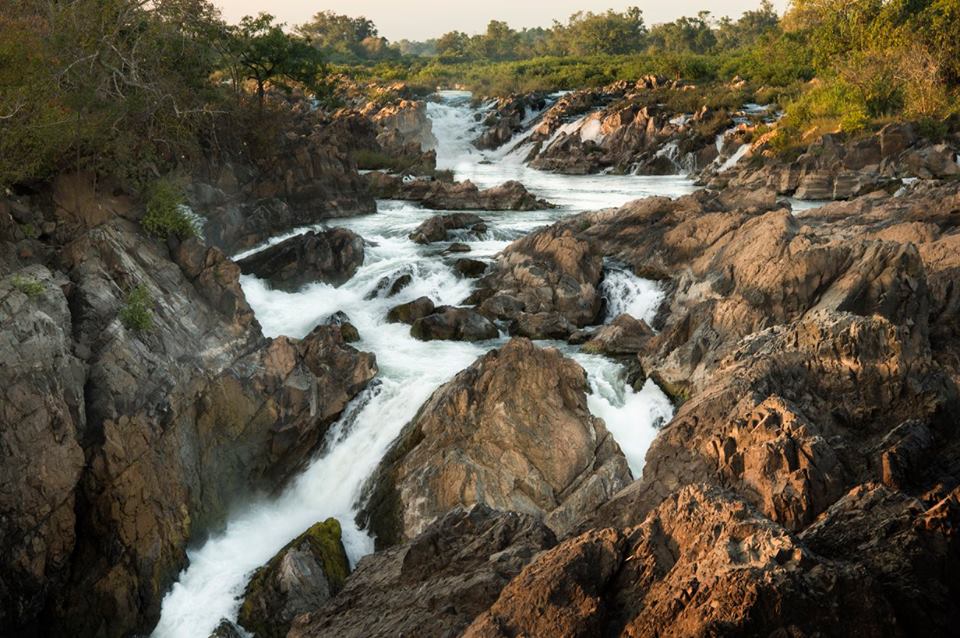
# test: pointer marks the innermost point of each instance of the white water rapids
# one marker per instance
(410, 370)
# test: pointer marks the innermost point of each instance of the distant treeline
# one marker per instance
(133, 89)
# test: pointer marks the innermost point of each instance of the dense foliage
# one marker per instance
(134, 89)
(128, 88)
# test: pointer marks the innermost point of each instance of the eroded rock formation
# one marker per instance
(481, 440)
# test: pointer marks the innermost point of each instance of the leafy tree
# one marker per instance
(344, 38)
(118, 86)
(686, 34)
(453, 44)
(267, 54)
(607, 33)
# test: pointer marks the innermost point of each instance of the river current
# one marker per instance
(211, 586)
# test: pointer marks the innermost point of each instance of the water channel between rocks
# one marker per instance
(411, 370)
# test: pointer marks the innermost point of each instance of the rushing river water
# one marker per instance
(411, 370)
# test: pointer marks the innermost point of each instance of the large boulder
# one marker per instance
(411, 311)
(434, 585)
(305, 574)
(480, 439)
(551, 271)
(438, 227)
(332, 256)
(454, 324)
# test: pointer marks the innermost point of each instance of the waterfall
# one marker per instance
(211, 586)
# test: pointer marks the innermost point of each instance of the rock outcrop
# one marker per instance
(332, 256)
(836, 168)
(304, 575)
(480, 440)
(438, 194)
(703, 563)
(310, 180)
(434, 585)
(128, 439)
(438, 228)
(551, 272)
(454, 324)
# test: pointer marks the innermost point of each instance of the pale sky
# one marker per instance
(422, 19)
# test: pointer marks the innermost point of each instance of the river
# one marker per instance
(410, 370)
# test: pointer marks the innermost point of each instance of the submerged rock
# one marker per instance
(480, 439)
(306, 573)
(331, 256)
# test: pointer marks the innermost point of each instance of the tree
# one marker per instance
(609, 33)
(117, 86)
(267, 54)
(453, 44)
(343, 37)
(687, 34)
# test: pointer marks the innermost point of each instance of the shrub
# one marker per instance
(28, 286)
(137, 311)
(166, 214)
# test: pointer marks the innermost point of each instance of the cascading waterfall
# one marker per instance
(410, 370)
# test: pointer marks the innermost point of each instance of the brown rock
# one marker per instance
(434, 585)
(331, 256)
(700, 564)
(437, 228)
(411, 311)
(454, 324)
(479, 439)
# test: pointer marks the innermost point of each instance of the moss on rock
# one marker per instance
(289, 584)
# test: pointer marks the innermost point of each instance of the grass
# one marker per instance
(137, 311)
(166, 214)
(29, 286)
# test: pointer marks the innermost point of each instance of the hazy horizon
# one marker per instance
(415, 20)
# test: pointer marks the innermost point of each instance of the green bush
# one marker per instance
(166, 215)
(137, 311)
(28, 286)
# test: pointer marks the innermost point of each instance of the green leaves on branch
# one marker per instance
(265, 53)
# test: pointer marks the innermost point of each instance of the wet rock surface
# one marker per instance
(439, 227)
(331, 256)
(454, 324)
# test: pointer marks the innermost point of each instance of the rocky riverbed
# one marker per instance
(632, 408)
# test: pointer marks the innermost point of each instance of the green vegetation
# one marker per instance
(28, 285)
(133, 90)
(137, 311)
(129, 89)
(165, 215)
